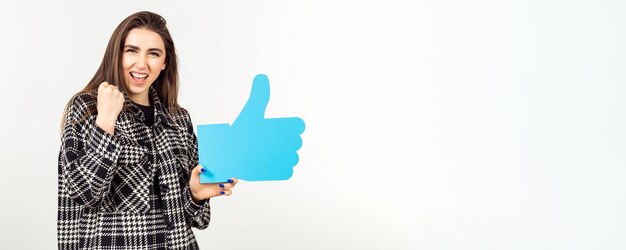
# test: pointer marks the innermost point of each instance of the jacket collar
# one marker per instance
(161, 114)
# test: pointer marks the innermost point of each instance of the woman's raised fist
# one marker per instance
(110, 104)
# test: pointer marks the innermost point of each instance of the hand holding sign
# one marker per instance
(253, 148)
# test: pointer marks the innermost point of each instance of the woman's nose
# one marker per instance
(141, 62)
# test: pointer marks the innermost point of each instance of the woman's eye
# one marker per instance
(131, 51)
(155, 54)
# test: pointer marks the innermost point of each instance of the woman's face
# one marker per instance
(143, 59)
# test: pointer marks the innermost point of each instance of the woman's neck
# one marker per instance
(141, 99)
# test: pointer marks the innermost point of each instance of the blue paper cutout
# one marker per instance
(253, 148)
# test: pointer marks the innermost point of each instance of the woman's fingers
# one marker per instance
(196, 170)
(227, 186)
(201, 191)
(103, 85)
(230, 183)
(226, 192)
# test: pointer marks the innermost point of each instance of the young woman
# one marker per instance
(128, 163)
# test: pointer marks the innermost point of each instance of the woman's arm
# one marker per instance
(88, 154)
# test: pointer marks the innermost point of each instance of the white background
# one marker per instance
(430, 124)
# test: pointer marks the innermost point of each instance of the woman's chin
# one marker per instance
(135, 88)
(135, 91)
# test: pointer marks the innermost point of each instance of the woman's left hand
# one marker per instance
(201, 191)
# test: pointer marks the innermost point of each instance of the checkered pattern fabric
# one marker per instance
(129, 190)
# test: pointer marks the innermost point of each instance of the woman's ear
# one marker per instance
(162, 68)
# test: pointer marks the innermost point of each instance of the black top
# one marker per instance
(148, 112)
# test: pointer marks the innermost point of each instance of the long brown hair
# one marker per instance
(111, 71)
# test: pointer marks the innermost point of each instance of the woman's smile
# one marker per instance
(138, 78)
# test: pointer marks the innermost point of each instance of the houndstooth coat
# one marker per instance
(129, 190)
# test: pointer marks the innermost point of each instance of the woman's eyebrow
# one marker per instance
(155, 49)
(131, 47)
(137, 48)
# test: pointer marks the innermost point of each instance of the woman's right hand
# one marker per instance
(110, 103)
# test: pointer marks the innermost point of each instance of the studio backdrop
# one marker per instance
(429, 124)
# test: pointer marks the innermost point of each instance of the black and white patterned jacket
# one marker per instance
(129, 190)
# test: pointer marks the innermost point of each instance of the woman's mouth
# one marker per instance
(138, 78)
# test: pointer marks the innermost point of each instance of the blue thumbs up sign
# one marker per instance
(253, 148)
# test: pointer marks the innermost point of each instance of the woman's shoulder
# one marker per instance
(181, 117)
(83, 100)
(80, 106)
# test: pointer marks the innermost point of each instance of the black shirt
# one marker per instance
(148, 112)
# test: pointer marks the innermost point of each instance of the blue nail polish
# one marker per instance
(203, 170)
(230, 181)
(222, 192)
(221, 185)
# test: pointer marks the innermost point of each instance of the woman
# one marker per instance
(128, 163)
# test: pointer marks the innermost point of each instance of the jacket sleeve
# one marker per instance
(88, 154)
(198, 214)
